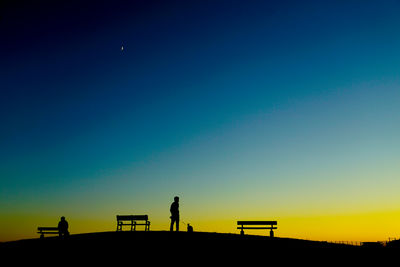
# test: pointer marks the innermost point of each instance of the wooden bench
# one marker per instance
(132, 219)
(264, 225)
(47, 230)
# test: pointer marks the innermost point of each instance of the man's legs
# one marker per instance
(176, 221)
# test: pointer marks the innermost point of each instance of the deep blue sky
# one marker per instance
(216, 88)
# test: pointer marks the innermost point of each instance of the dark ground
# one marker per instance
(185, 248)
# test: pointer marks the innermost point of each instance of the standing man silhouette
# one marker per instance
(174, 214)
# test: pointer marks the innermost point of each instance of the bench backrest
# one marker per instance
(47, 228)
(132, 217)
(257, 223)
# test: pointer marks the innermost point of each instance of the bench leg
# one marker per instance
(241, 231)
(271, 233)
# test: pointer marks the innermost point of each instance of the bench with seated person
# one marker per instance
(61, 229)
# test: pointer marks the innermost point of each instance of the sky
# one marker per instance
(246, 110)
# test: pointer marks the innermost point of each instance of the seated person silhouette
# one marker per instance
(174, 214)
(63, 227)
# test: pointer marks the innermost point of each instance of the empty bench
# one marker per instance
(48, 230)
(133, 221)
(269, 225)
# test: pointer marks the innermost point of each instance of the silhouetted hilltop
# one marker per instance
(107, 240)
(394, 244)
(175, 246)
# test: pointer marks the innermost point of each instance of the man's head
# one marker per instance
(62, 218)
(176, 199)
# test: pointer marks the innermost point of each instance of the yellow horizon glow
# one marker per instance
(360, 227)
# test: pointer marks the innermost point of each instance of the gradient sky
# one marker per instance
(273, 110)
